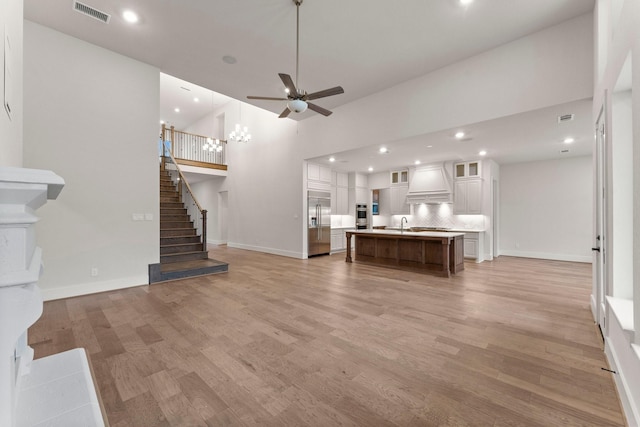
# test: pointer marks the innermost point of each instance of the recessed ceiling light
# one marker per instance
(466, 2)
(196, 100)
(130, 16)
(383, 150)
(417, 162)
(568, 140)
(332, 159)
(429, 146)
(177, 110)
(460, 135)
(370, 169)
(228, 59)
(482, 153)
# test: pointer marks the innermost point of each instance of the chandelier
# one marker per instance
(240, 135)
(213, 145)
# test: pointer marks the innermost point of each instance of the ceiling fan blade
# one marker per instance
(319, 109)
(267, 98)
(288, 83)
(285, 113)
(323, 93)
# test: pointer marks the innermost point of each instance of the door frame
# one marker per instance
(600, 235)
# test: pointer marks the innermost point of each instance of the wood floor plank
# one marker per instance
(279, 341)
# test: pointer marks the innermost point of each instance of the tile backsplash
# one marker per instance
(440, 216)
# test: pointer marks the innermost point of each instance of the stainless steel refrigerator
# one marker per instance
(319, 222)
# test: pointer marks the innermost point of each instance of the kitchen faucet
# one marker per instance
(403, 221)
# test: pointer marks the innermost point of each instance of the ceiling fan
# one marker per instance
(297, 100)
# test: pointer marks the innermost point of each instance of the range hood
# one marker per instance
(429, 184)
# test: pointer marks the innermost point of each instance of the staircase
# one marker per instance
(182, 252)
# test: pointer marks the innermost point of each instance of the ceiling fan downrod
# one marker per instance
(297, 3)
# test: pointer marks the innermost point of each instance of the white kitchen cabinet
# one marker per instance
(473, 244)
(362, 196)
(342, 179)
(318, 177)
(399, 204)
(471, 248)
(339, 239)
(399, 177)
(339, 194)
(467, 170)
(467, 197)
(342, 201)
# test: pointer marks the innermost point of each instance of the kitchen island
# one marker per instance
(440, 253)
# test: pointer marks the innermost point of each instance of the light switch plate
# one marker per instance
(148, 217)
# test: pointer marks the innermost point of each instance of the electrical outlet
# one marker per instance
(94, 271)
(148, 217)
(138, 217)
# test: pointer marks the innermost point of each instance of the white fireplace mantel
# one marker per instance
(22, 191)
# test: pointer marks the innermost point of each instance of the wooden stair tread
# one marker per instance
(182, 253)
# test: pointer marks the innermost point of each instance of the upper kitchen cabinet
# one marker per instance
(340, 194)
(318, 177)
(399, 205)
(467, 197)
(399, 177)
(467, 189)
(467, 170)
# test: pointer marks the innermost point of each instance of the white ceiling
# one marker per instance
(363, 45)
(535, 135)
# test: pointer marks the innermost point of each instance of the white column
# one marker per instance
(22, 191)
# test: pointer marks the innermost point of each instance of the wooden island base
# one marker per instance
(435, 253)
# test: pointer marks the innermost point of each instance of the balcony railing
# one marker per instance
(195, 150)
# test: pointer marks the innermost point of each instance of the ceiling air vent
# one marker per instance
(92, 12)
(565, 118)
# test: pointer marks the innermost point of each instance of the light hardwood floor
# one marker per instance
(286, 342)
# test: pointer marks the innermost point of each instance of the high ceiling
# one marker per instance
(363, 45)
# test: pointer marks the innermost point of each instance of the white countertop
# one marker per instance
(453, 230)
(410, 233)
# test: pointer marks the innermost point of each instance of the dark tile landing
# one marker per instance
(185, 269)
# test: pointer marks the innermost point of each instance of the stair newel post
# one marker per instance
(204, 229)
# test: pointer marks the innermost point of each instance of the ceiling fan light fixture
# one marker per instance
(297, 106)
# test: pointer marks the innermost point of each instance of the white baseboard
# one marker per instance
(93, 287)
(594, 308)
(273, 251)
(624, 360)
(550, 256)
(630, 409)
(216, 242)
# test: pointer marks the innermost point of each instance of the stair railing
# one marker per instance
(194, 209)
(188, 148)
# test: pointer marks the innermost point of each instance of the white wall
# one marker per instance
(621, 200)
(617, 34)
(265, 184)
(11, 129)
(546, 209)
(91, 116)
(547, 68)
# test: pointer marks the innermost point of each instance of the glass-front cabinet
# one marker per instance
(400, 177)
(467, 170)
